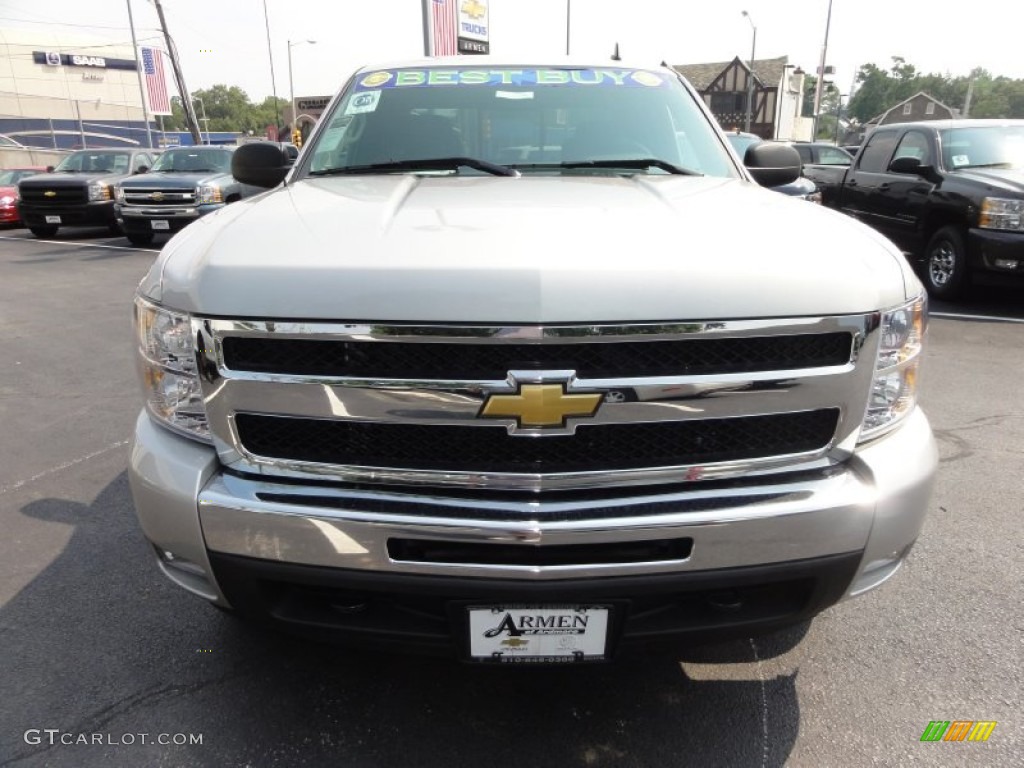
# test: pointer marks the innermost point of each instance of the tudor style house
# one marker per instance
(777, 96)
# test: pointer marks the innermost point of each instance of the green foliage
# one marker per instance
(880, 89)
(228, 109)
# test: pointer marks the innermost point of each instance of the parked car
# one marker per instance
(9, 179)
(803, 187)
(379, 397)
(950, 193)
(184, 184)
(821, 153)
(80, 191)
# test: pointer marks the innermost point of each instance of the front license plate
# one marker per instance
(527, 634)
(160, 224)
(53, 219)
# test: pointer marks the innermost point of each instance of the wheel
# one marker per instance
(945, 264)
(114, 227)
(45, 230)
(139, 238)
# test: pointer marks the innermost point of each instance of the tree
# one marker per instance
(228, 108)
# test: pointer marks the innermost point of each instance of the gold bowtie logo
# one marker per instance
(541, 405)
(49, 193)
(474, 9)
(157, 196)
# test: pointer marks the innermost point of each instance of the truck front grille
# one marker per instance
(606, 447)
(493, 361)
(60, 196)
(159, 197)
(411, 404)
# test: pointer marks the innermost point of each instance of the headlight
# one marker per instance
(167, 365)
(99, 191)
(6, 200)
(1001, 213)
(119, 193)
(209, 193)
(894, 389)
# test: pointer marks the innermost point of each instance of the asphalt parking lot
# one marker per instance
(95, 641)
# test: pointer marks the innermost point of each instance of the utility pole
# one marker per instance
(821, 74)
(970, 92)
(568, 23)
(138, 71)
(186, 101)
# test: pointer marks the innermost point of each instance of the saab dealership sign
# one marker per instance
(473, 27)
(55, 59)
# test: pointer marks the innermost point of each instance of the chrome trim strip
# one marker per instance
(551, 334)
(786, 521)
(227, 392)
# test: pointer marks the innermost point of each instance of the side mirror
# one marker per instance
(772, 164)
(143, 169)
(914, 167)
(909, 165)
(49, 169)
(261, 164)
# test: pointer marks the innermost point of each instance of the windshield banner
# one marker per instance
(411, 78)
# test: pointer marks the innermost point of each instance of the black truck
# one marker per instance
(80, 191)
(950, 193)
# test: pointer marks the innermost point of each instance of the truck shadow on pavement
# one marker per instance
(99, 643)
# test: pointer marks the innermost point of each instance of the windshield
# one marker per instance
(10, 178)
(997, 146)
(535, 120)
(193, 161)
(95, 162)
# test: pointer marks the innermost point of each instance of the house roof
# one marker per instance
(879, 118)
(768, 71)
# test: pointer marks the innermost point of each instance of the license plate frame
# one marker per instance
(160, 225)
(53, 220)
(538, 634)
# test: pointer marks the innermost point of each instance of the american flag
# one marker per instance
(156, 85)
(443, 31)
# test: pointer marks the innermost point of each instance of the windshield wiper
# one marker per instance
(1005, 164)
(431, 164)
(640, 164)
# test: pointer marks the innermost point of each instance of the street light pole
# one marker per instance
(291, 84)
(568, 17)
(750, 77)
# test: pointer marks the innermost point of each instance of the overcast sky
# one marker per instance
(224, 41)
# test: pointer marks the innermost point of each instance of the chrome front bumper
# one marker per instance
(874, 504)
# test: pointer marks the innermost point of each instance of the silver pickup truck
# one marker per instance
(383, 402)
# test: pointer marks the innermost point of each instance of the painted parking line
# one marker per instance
(987, 318)
(78, 244)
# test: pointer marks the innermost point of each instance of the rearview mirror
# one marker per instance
(143, 169)
(773, 164)
(49, 169)
(261, 164)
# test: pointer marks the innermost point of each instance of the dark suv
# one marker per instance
(80, 191)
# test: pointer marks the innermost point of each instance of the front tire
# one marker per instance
(945, 264)
(46, 230)
(139, 238)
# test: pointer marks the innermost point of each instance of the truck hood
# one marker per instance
(527, 250)
(175, 180)
(71, 179)
(1006, 179)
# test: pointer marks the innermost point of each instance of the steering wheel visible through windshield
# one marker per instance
(454, 119)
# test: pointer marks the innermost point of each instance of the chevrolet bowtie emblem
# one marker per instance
(157, 196)
(49, 193)
(474, 9)
(541, 405)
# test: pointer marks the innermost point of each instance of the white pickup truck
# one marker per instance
(384, 400)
